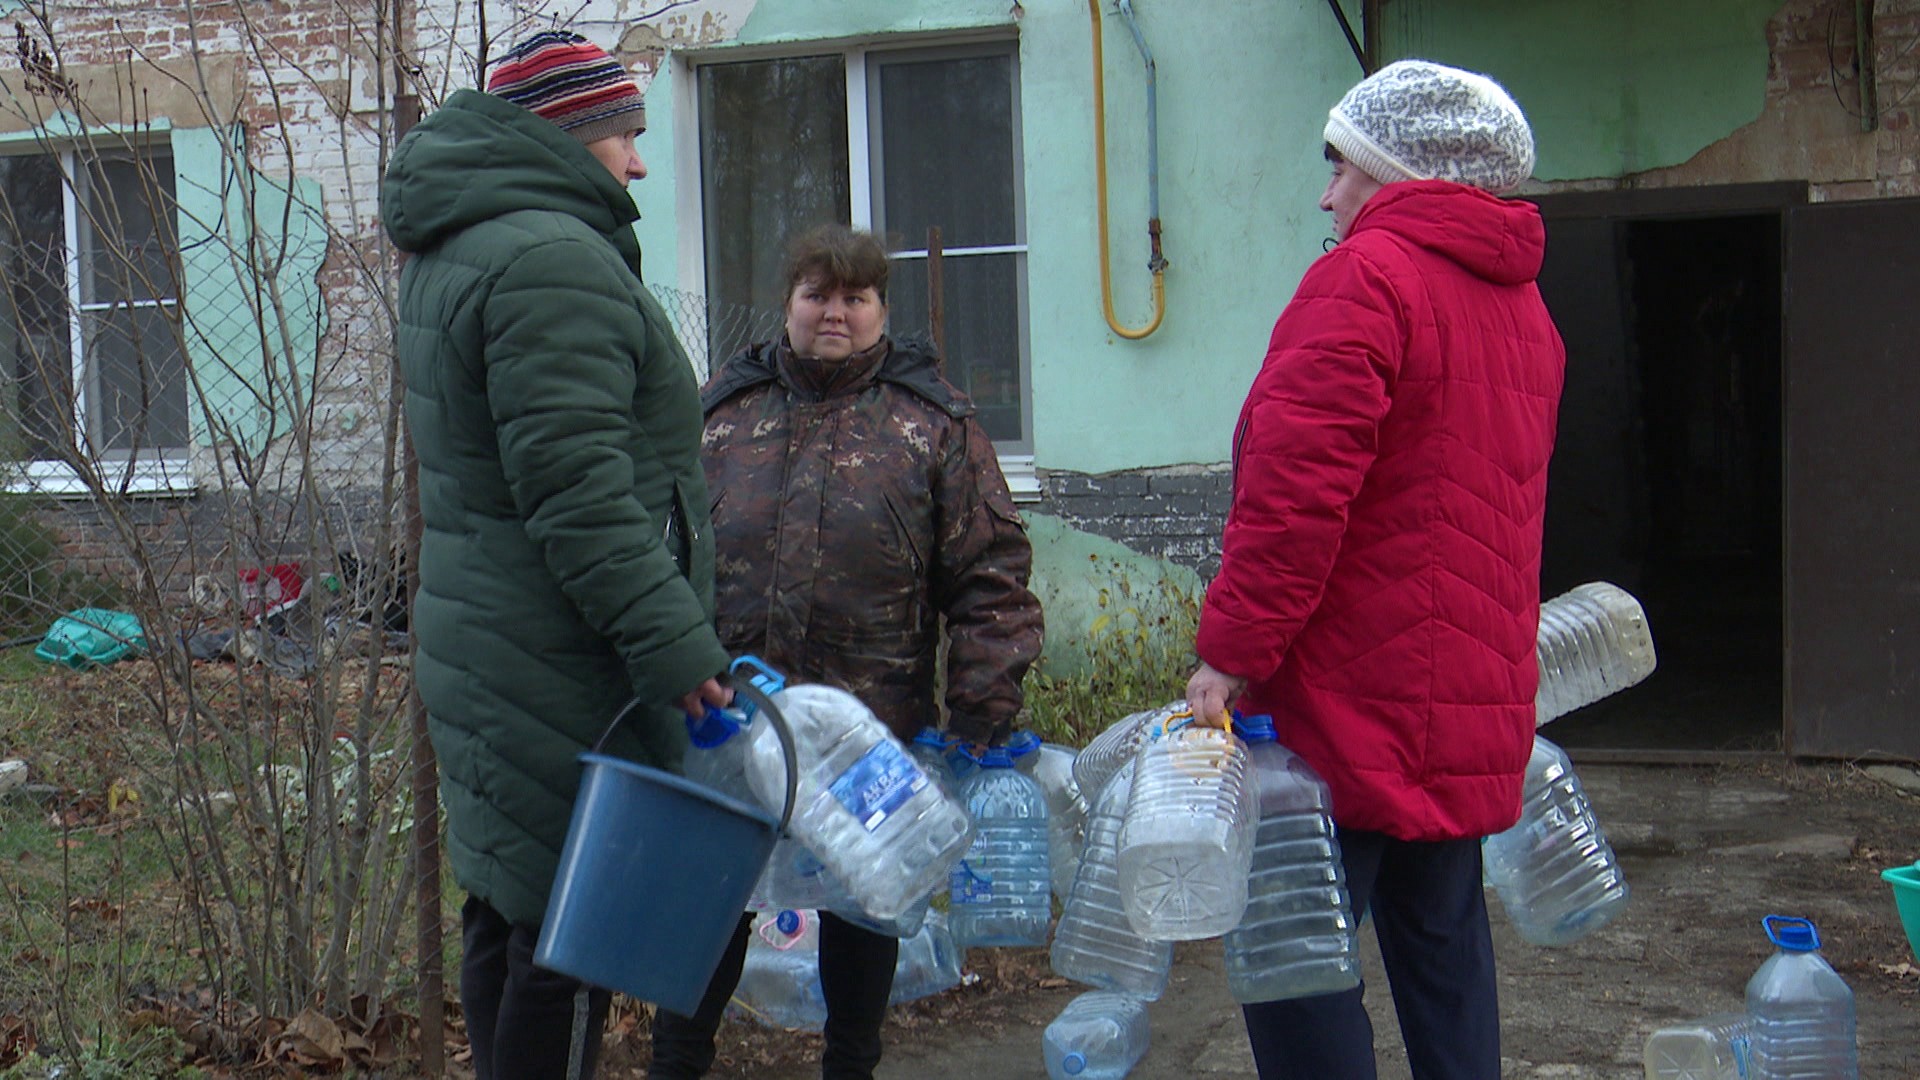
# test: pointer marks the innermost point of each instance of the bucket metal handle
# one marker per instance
(767, 708)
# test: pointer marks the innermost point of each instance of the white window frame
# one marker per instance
(860, 63)
(156, 472)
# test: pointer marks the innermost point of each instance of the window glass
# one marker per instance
(128, 230)
(946, 151)
(129, 380)
(773, 161)
(35, 335)
(982, 330)
(136, 382)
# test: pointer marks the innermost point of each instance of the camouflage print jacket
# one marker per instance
(846, 527)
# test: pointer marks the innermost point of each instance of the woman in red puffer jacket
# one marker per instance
(1379, 587)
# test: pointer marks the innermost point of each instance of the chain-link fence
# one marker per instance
(711, 330)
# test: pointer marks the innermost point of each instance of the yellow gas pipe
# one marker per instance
(1157, 264)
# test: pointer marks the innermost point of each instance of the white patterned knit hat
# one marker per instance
(1416, 120)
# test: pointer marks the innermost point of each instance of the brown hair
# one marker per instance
(836, 257)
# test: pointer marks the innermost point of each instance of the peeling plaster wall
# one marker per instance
(1649, 94)
(1809, 127)
(1611, 88)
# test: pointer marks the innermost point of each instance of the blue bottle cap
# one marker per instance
(1790, 933)
(716, 727)
(787, 922)
(934, 737)
(1022, 743)
(1074, 1063)
(996, 757)
(1254, 728)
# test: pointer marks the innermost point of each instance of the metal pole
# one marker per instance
(936, 293)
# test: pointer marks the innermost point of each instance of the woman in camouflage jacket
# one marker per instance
(856, 505)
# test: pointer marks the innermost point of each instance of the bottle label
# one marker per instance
(965, 885)
(878, 784)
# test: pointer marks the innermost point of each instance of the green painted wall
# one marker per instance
(1611, 88)
(1096, 591)
(1243, 94)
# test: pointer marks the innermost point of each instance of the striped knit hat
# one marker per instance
(564, 78)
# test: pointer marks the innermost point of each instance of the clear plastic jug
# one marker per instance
(929, 962)
(865, 808)
(1094, 942)
(1554, 870)
(1298, 937)
(1714, 1048)
(930, 749)
(1593, 641)
(780, 984)
(1066, 814)
(717, 751)
(1187, 841)
(796, 879)
(999, 893)
(1103, 757)
(1100, 1035)
(1799, 1011)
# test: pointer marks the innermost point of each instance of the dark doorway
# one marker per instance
(1666, 479)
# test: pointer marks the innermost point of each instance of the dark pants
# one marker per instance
(524, 1022)
(856, 976)
(1430, 914)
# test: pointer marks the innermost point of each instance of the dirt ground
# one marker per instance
(1707, 852)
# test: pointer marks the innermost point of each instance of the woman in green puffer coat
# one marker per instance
(566, 564)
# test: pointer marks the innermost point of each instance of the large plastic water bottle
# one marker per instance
(1714, 1048)
(1593, 641)
(864, 807)
(1113, 748)
(1298, 937)
(1094, 942)
(794, 878)
(1800, 1013)
(1100, 1035)
(930, 749)
(1052, 768)
(1187, 841)
(1021, 746)
(1554, 870)
(999, 893)
(929, 963)
(717, 756)
(780, 984)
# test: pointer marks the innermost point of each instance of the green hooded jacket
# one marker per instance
(566, 564)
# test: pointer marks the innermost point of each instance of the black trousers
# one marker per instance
(1430, 914)
(856, 977)
(524, 1022)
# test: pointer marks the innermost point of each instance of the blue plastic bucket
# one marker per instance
(654, 876)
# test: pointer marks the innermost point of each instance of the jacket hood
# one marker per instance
(912, 363)
(1500, 240)
(480, 157)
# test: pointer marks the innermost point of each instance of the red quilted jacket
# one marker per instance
(1379, 583)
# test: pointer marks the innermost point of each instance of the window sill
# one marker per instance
(158, 477)
(1021, 481)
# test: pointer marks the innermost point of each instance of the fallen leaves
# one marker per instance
(16, 1040)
